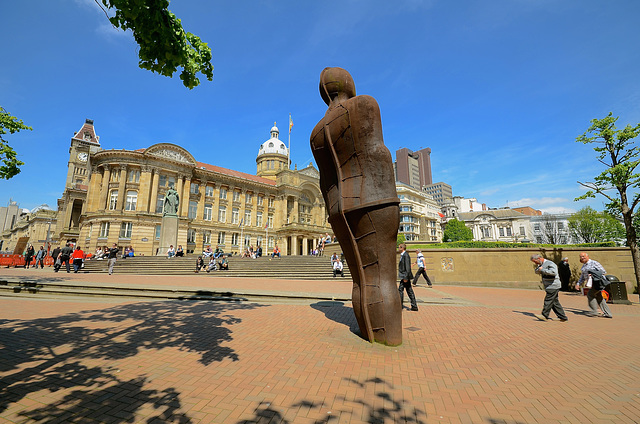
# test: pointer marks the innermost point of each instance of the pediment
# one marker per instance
(310, 171)
(171, 152)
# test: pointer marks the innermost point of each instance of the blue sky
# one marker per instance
(499, 89)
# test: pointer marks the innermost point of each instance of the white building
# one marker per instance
(419, 215)
(552, 229)
(468, 205)
(498, 225)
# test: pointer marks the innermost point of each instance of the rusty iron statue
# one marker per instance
(358, 186)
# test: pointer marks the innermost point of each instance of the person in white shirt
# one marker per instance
(421, 269)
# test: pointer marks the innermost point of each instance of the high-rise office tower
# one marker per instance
(413, 168)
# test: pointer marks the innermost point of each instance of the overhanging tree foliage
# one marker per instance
(590, 226)
(11, 164)
(164, 44)
(457, 231)
(619, 182)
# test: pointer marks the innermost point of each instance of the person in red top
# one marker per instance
(77, 256)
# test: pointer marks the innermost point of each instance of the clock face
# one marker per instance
(83, 157)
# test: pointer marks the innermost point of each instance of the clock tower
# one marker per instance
(84, 144)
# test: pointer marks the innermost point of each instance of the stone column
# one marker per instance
(215, 204)
(94, 195)
(178, 188)
(294, 245)
(200, 212)
(305, 246)
(295, 213)
(104, 191)
(184, 197)
(154, 191)
(122, 187)
(145, 189)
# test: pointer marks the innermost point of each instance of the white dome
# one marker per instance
(274, 144)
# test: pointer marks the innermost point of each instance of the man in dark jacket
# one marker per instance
(564, 269)
(54, 255)
(405, 275)
(65, 256)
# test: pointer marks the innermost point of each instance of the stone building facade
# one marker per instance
(117, 196)
(419, 215)
(498, 225)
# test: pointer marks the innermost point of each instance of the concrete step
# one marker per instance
(20, 288)
(288, 267)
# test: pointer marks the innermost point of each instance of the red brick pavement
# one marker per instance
(484, 359)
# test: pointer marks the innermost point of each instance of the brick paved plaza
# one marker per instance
(470, 355)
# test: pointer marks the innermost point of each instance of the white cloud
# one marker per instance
(540, 202)
(557, 209)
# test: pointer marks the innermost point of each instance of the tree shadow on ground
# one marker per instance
(48, 354)
(337, 312)
(384, 407)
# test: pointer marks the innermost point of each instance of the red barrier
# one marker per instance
(6, 260)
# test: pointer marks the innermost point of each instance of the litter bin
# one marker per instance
(617, 290)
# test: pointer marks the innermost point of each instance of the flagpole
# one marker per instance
(289, 152)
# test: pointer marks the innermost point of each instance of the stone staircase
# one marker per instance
(287, 267)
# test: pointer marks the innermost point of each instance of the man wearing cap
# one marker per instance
(551, 282)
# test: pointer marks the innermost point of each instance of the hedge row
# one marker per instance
(504, 245)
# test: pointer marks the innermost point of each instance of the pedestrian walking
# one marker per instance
(40, 257)
(65, 256)
(113, 256)
(28, 256)
(549, 272)
(56, 258)
(592, 276)
(421, 269)
(405, 275)
(77, 256)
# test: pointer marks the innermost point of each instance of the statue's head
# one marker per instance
(334, 81)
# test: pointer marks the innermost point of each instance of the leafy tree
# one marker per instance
(619, 182)
(550, 229)
(456, 231)
(590, 226)
(400, 239)
(13, 125)
(164, 44)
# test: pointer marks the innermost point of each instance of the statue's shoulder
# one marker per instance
(364, 99)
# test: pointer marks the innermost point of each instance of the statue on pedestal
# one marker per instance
(358, 186)
(171, 202)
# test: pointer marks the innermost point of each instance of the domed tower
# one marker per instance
(272, 156)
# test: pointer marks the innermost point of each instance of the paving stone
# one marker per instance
(484, 359)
